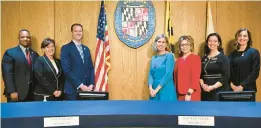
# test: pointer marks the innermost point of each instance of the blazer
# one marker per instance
(187, 74)
(75, 71)
(47, 80)
(16, 73)
(244, 68)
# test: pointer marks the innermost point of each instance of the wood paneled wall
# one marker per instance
(128, 76)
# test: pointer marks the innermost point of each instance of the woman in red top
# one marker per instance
(187, 71)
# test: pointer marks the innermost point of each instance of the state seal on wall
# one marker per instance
(135, 22)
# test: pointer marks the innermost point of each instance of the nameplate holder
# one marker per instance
(196, 120)
(61, 121)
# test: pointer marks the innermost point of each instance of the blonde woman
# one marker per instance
(187, 71)
(160, 79)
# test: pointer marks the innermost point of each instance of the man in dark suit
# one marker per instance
(77, 64)
(17, 69)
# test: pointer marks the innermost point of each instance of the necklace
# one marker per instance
(210, 56)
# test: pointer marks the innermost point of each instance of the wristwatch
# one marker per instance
(188, 93)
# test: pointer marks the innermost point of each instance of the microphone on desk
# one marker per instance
(45, 98)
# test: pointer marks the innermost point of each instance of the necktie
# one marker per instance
(28, 57)
(81, 52)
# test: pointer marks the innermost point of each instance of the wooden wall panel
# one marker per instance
(68, 13)
(235, 15)
(128, 76)
(37, 17)
(9, 33)
(189, 18)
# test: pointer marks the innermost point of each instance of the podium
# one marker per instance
(236, 96)
(91, 95)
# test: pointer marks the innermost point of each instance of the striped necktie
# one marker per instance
(81, 52)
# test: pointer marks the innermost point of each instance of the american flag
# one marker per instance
(102, 54)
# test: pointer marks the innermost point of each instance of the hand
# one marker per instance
(57, 93)
(157, 90)
(90, 88)
(239, 88)
(210, 88)
(152, 91)
(14, 96)
(84, 88)
(205, 87)
(234, 88)
(188, 98)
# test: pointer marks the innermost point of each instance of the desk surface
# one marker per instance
(67, 108)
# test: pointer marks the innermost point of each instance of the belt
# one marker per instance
(213, 76)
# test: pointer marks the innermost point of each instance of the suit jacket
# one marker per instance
(47, 80)
(244, 68)
(16, 73)
(75, 71)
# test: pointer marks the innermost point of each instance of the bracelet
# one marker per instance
(188, 93)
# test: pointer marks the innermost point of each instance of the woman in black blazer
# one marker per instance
(48, 74)
(245, 63)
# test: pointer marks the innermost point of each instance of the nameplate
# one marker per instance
(196, 120)
(89, 94)
(61, 121)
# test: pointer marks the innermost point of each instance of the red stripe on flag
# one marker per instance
(100, 64)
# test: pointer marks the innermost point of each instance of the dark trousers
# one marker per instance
(70, 96)
(209, 96)
(28, 98)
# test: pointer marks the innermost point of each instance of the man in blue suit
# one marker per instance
(17, 69)
(77, 64)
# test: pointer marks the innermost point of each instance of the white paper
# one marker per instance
(61, 121)
(196, 120)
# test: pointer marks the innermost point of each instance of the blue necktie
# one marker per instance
(81, 52)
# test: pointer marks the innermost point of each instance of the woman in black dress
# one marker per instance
(215, 69)
(245, 63)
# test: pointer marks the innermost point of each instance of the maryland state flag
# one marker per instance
(168, 26)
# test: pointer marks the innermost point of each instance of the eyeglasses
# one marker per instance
(187, 44)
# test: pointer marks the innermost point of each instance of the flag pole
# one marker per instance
(210, 25)
(166, 17)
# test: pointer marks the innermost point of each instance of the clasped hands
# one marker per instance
(207, 88)
(57, 93)
(86, 88)
(236, 88)
(153, 92)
